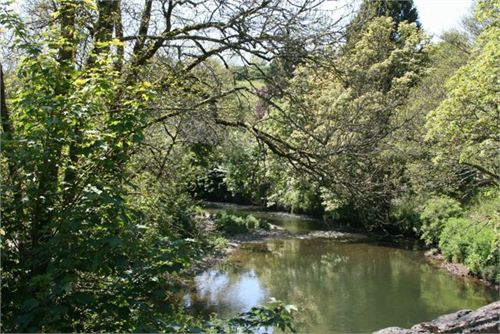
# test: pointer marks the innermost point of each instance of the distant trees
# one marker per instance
(338, 119)
(397, 134)
(399, 11)
(373, 130)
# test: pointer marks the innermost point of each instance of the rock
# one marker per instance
(483, 320)
(276, 227)
(434, 253)
(334, 235)
(394, 330)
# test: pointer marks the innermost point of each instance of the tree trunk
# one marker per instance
(48, 185)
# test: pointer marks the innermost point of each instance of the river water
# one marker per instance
(339, 286)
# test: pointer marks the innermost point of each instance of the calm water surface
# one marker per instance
(339, 286)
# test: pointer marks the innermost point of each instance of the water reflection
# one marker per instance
(340, 287)
(237, 292)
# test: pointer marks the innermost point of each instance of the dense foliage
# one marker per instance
(118, 116)
(101, 134)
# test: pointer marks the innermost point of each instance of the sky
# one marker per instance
(440, 15)
(436, 16)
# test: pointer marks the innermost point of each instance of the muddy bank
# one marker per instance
(456, 269)
(276, 232)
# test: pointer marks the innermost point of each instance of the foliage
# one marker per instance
(231, 223)
(294, 193)
(398, 11)
(485, 207)
(79, 256)
(476, 245)
(242, 160)
(344, 115)
(275, 314)
(422, 175)
(99, 149)
(404, 212)
(252, 174)
(468, 235)
(435, 213)
(465, 125)
(218, 242)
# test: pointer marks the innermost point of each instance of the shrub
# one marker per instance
(485, 207)
(217, 242)
(437, 210)
(454, 239)
(230, 223)
(254, 223)
(404, 212)
(474, 244)
(274, 314)
(485, 258)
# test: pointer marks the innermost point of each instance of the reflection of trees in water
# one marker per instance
(226, 292)
(338, 286)
(451, 297)
(355, 284)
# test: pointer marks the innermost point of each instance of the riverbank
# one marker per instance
(456, 269)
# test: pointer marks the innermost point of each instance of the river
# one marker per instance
(339, 286)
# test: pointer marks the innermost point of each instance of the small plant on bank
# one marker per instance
(230, 223)
(274, 314)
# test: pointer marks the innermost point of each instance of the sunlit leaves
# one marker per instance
(465, 127)
(345, 112)
(74, 259)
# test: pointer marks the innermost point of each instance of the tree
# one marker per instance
(399, 11)
(422, 177)
(464, 127)
(335, 121)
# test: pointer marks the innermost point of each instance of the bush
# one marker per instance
(218, 242)
(231, 223)
(274, 314)
(485, 259)
(454, 239)
(437, 210)
(474, 244)
(485, 207)
(404, 212)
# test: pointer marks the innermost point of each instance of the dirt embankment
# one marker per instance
(456, 269)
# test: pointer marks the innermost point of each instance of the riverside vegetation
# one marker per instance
(119, 117)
